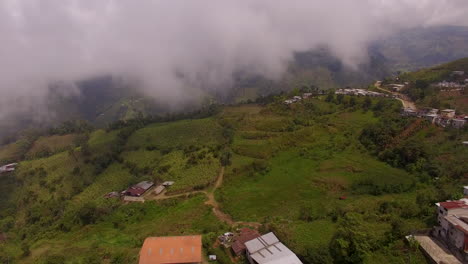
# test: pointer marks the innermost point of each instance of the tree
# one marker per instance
(339, 98)
(225, 158)
(352, 241)
(330, 97)
(367, 103)
(71, 153)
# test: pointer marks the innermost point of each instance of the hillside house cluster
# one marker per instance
(443, 118)
(359, 92)
(452, 228)
(297, 98)
(293, 100)
(458, 81)
(138, 189)
(8, 167)
(135, 193)
(259, 249)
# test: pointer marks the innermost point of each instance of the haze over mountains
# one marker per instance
(105, 99)
(180, 53)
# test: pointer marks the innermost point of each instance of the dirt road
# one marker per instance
(405, 100)
(211, 201)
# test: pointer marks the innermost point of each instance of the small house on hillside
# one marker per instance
(267, 249)
(138, 189)
(458, 122)
(246, 234)
(409, 112)
(448, 113)
(159, 189)
(171, 250)
(8, 168)
(168, 183)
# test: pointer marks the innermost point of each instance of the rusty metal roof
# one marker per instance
(177, 249)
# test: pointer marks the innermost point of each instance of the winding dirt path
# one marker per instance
(211, 201)
(405, 100)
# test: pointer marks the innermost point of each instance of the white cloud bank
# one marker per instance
(205, 41)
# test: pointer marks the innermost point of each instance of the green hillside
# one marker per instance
(422, 87)
(285, 169)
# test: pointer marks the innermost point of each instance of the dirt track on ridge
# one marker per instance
(407, 103)
(211, 201)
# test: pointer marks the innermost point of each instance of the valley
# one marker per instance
(300, 170)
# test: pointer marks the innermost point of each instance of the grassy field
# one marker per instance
(9, 152)
(118, 238)
(287, 168)
(50, 145)
(177, 134)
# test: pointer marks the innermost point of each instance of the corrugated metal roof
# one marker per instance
(178, 249)
(144, 185)
(267, 249)
(159, 189)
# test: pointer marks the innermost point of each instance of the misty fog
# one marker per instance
(175, 47)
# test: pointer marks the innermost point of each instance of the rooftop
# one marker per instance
(268, 249)
(454, 204)
(166, 250)
(246, 234)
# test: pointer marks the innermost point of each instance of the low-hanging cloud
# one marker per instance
(173, 47)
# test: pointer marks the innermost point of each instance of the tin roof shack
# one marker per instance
(8, 168)
(168, 183)
(447, 113)
(458, 122)
(267, 249)
(171, 250)
(159, 189)
(408, 112)
(138, 189)
(245, 234)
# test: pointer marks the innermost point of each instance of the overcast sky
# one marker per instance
(204, 40)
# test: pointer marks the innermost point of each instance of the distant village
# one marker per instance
(443, 118)
(447, 242)
(344, 91)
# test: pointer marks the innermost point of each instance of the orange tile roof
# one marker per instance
(165, 250)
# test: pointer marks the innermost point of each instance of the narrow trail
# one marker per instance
(405, 100)
(211, 201)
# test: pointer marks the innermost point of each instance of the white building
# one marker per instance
(458, 122)
(452, 217)
(431, 118)
(448, 113)
(8, 168)
(267, 249)
(458, 73)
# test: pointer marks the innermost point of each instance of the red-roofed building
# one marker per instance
(246, 234)
(452, 217)
(171, 250)
(138, 189)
